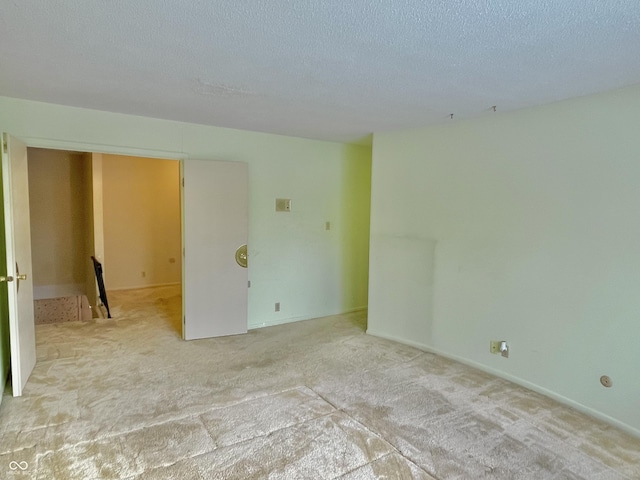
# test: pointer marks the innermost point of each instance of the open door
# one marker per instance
(19, 279)
(216, 218)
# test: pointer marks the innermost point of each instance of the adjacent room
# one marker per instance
(340, 240)
(123, 211)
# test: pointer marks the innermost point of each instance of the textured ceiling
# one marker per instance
(330, 69)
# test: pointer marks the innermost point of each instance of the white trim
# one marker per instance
(183, 274)
(517, 380)
(354, 310)
(101, 148)
(273, 323)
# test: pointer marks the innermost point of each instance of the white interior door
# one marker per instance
(216, 218)
(18, 242)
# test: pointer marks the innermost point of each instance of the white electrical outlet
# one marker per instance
(277, 306)
(499, 346)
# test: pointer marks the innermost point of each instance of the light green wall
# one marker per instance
(293, 259)
(354, 223)
(523, 227)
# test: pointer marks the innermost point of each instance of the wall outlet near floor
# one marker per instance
(277, 306)
(499, 346)
(144, 274)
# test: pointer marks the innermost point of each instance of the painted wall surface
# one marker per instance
(56, 199)
(293, 259)
(523, 227)
(141, 207)
(354, 223)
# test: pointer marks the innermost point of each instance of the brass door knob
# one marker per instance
(242, 258)
(6, 279)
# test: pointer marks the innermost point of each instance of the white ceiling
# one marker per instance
(326, 69)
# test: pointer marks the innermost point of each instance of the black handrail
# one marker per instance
(97, 266)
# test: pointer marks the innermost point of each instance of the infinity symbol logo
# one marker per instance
(22, 466)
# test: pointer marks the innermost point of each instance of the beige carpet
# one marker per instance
(127, 399)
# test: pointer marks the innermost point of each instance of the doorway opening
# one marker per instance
(214, 225)
(125, 211)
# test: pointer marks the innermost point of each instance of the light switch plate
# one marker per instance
(283, 204)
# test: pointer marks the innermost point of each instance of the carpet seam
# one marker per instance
(126, 432)
(368, 429)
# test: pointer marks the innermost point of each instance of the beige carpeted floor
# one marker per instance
(127, 398)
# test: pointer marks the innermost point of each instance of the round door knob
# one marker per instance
(6, 279)
(242, 258)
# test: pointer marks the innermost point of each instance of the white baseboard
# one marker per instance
(354, 310)
(517, 380)
(273, 323)
(138, 287)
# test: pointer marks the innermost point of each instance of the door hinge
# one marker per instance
(4, 143)
(182, 182)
